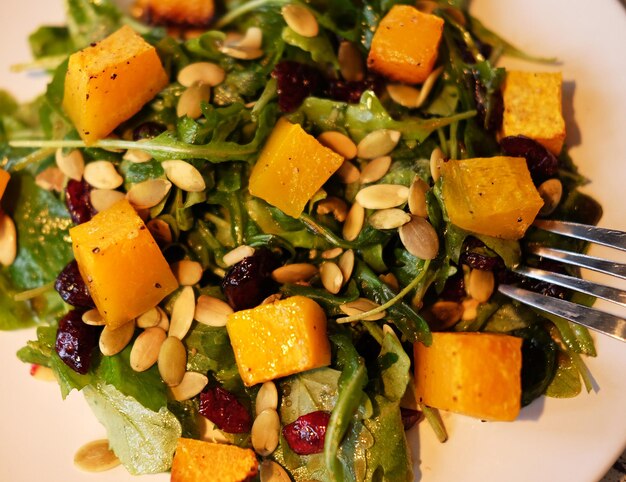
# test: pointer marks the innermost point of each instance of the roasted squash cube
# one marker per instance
(292, 166)
(110, 82)
(493, 196)
(121, 264)
(279, 339)
(4, 181)
(177, 12)
(533, 108)
(405, 45)
(476, 374)
(198, 461)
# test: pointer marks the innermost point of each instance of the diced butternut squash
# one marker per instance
(405, 45)
(110, 82)
(177, 12)
(292, 166)
(493, 196)
(476, 374)
(533, 108)
(279, 339)
(198, 461)
(4, 181)
(121, 264)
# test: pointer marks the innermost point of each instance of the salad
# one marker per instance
(289, 235)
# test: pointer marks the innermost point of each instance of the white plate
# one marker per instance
(573, 440)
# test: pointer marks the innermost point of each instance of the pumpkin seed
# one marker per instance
(190, 386)
(147, 194)
(360, 306)
(338, 142)
(346, 264)
(102, 199)
(187, 272)
(247, 47)
(351, 63)
(417, 197)
(331, 253)
(160, 230)
(354, 222)
(436, 158)
(470, 309)
(190, 101)
(241, 53)
(331, 276)
(334, 205)
(390, 280)
(378, 143)
(201, 72)
(182, 313)
(375, 169)
(51, 179)
(301, 20)
(113, 341)
(480, 285)
(270, 471)
(8, 240)
(209, 432)
(238, 254)
(446, 314)
(411, 97)
(145, 350)
(420, 238)
(42, 373)
(266, 398)
(164, 321)
(272, 299)
(184, 175)
(551, 192)
(389, 218)
(71, 164)
(96, 456)
(93, 317)
(382, 196)
(137, 156)
(212, 311)
(294, 273)
(265, 432)
(149, 319)
(172, 361)
(102, 175)
(348, 173)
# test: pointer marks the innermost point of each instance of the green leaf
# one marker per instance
(319, 47)
(89, 21)
(566, 382)
(50, 40)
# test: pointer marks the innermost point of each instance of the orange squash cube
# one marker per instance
(121, 264)
(198, 461)
(279, 339)
(476, 374)
(405, 45)
(292, 166)
(4, 181)
(533, 108)
(110, 82)
(493, 196)
(177, 12)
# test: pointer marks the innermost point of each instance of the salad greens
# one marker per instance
(368, 380)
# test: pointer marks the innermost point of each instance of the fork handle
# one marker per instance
(606, 237)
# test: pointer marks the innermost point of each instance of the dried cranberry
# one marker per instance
(351, 92)
(77, 201)
(296, 82)
(223, 409)
(148, 130)
(250, 281)
(454, 289)
(542, 164)
(306, 435)
(547, 289)
(477, 256)
(409, 417)
(75, 341)
(72, 288)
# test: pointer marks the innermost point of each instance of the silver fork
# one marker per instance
(601, 321)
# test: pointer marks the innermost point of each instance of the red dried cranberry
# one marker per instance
(250, 281)
(77, 201)
(223, 409)
(351, 92)
(409, 417)
(70, 285)
(75, 341)
(454, 288)
(296, 82)
(547, 289)
(306, 435)
(542, 164)
(477, 256)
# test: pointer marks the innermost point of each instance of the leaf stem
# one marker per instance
(33, 293)
(245, 8)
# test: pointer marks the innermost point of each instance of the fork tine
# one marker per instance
(606, 237)
(600, 321)
(581, 260)
(614, 295)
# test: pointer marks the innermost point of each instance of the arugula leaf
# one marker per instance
(50, 40)
(89, 21)
(566, 382)
(319, 47)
